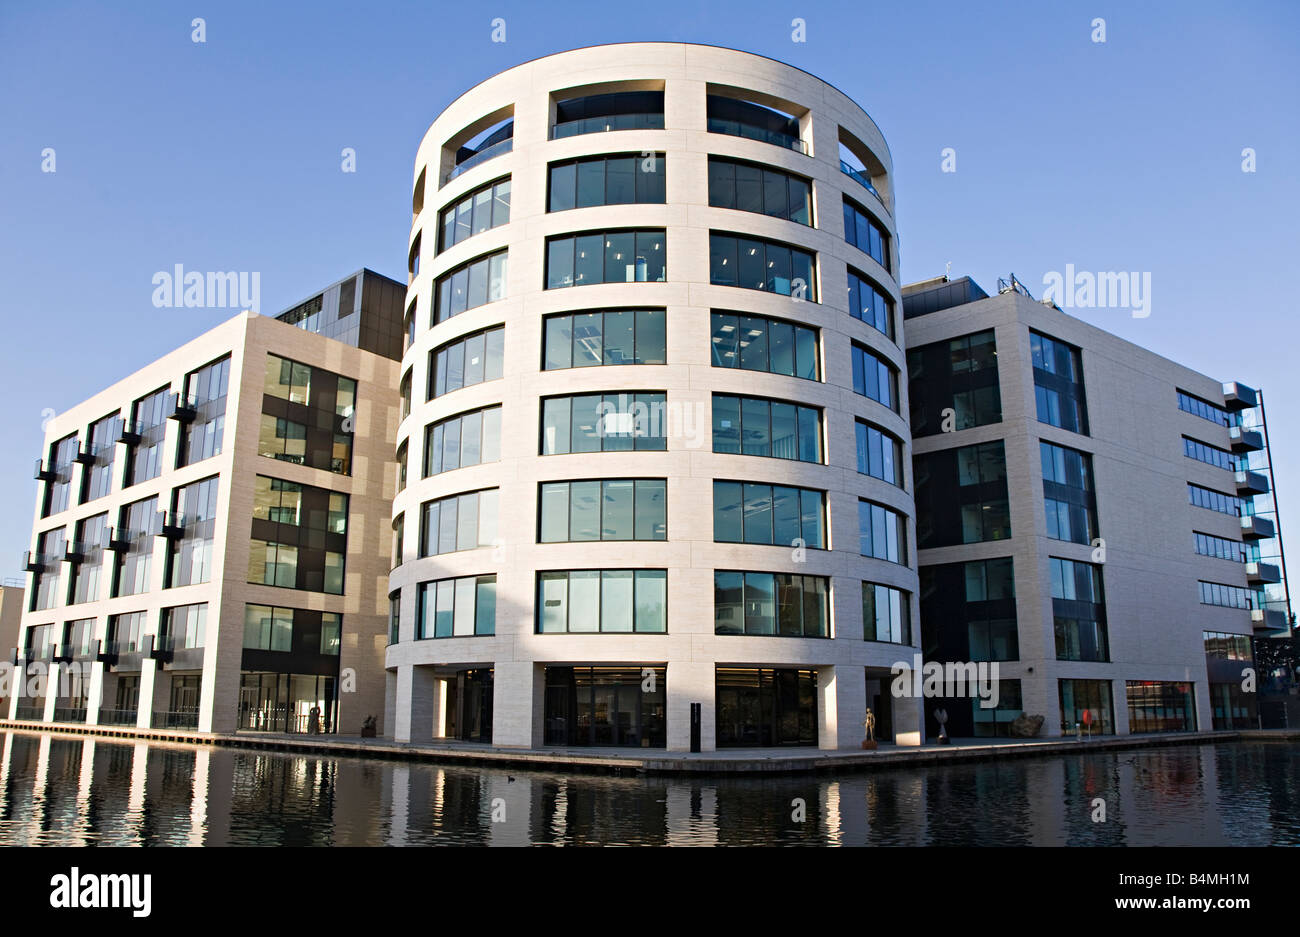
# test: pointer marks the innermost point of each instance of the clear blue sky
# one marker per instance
(226, 156)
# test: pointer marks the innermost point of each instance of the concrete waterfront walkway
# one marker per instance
(624, 761)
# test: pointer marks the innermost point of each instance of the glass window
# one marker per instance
(863, 232)
(484, 208)
(612, 257)
(472, 284)
(459, 441)
(613, 509)
(594, 600)
(610, 422)
(761, 265)
(757, 603)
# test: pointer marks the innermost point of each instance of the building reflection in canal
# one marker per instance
(74, 791)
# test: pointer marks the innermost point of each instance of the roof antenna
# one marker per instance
(947, 270)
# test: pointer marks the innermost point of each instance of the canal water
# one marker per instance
(68, 790)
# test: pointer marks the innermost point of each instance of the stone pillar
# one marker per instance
(691, 682)
(52, 691)
(390, 703)
(518, 696)
(842, 706)
(95, 693)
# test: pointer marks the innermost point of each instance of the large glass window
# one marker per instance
(194, 515)
(1058, 384)
(306, 415)
(968, 611)
(758, 343)
(615, 179)
(754, 264)
(606, 706)
(125, 633)
(461, 522)
(136, 528)
(456, 608)
(886, 614)
(602, 600)
(1160, 706)
(87, 573)
(961, 495)
(609, 337)
(773, 428)
(882, 532)
(148, 429)
(625, 256)
(97, 480)
(761, 189)
(953, 385)
(1079, 610)
(777, 604)
(615, 110)
(1086, 707)
(869, 303)
(469, 360)
(603, 509)
(1217, 593)
(268, 628)
(486, 207)
(183, 626)
(880, 454)
(746, 512)
(1204, 409)
(49, 586)
(615, 422)
(865, 233)
(299, 536)
(874, 377)
(739, 118)
(205, 391)
(1068, 495)
(1220, 547)
(1210, 455)
(472, 284)
(459, 441)
(1213, 500)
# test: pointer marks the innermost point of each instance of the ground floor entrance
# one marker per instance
(617, 706)
(761, 708)
(288, 702)
(469, 706)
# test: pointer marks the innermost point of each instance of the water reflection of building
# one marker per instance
(203, 551)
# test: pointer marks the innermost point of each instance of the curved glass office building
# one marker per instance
(654, 450)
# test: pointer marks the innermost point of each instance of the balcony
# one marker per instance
(33, 562)
(30, 712)
(44, 474)
(1239, 396)
(117, 541)
(61, 654)
(482, 156)
(69, 714)
(575, 128)
(1254, 527)
(173, 525)
(1268, 619)
(1251, 483)
(1258, 574)
(861, 178)
(1245, 440)
(130, 432)
(74, 551)
(182, 409)
(85, 455)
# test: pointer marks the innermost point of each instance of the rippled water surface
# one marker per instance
(73, 791)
